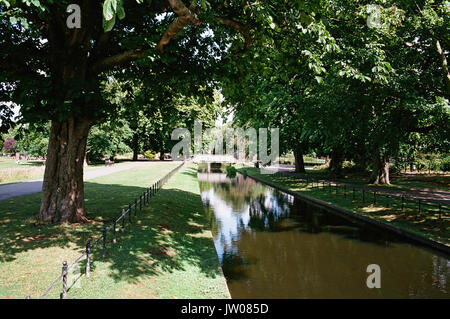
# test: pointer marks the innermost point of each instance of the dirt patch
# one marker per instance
(39, 237)
(162, 251)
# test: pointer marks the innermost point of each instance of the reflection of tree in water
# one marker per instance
(261, 257)
(266, 210)
(238, 194)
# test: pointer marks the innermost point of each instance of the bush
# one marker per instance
(231, 171)
(150, 154)
(8, 146)
(445, 164)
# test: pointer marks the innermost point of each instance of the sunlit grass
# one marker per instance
(31, 254)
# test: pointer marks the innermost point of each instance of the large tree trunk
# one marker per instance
(63, 188)
(380, 173)
(336, 163)
(135, 146)
(299, 162)
(162, 149)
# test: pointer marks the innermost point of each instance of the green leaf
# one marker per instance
(109, 24)
(108, 9)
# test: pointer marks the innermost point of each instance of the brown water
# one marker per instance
(272, 245)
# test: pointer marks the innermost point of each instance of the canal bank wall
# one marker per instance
(353, 216)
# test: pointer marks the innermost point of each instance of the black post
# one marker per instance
(104, 241)
(135, 207)
(140, 203)
(64, 280)
(114, 231)
(88, 258)
(123, 220)
(374, 198)
(129, 212)
(353, 193)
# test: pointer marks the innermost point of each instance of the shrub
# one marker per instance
(445, 164)
(8, 146)
(231, 171)
(150, 154)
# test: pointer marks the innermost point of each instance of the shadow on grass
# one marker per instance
(167, 235)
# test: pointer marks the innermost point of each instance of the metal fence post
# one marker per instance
(123, 220)
(135, 207)
(64, 280)
(129, 213)
(104, 241)
(114, 231)
(88, 258)
(140, 204)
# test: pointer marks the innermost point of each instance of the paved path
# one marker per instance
(35, 186)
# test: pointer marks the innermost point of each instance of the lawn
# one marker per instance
(427, 223)
(167, 248)
(10, 172)
(402, 182)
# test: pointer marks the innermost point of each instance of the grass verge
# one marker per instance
(159, 256)
(426, 224)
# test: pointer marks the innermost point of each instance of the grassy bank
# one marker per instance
(158, 257)
(387, 210)
(400, 182)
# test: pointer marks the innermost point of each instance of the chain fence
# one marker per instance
(133, 207)
(401, 202)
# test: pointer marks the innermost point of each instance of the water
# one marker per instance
(272, 245)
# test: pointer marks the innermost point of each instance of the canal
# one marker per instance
(272, 245)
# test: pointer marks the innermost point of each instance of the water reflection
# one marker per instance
(272, 245)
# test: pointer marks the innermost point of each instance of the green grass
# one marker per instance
(401, 182)
(11, 163)
(11, 172)
(426, 224)
(166, 250)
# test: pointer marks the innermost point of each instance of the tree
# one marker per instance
(55, 72)
(33, 140)
(108, 140)
(8, 146)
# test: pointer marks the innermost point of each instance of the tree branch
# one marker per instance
(243, 29)
(118, 59)
(444, 64)
(186, 16)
